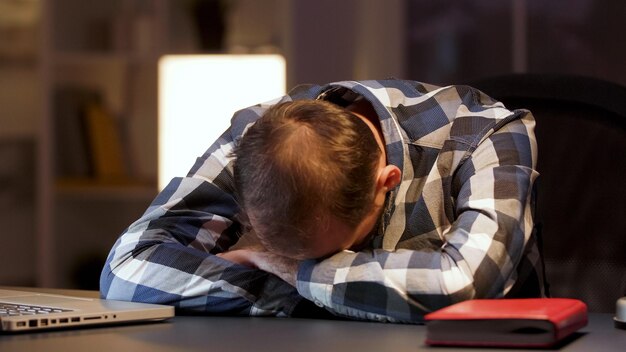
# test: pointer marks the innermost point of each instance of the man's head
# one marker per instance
(308, 176)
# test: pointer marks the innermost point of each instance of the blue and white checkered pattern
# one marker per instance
(458, 226)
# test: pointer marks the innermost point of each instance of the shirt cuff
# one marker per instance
(310, 286)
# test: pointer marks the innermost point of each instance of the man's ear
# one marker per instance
(388, 178)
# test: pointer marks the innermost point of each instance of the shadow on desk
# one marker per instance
(202, 333)
(195, 333)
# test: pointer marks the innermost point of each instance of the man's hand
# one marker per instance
(283, 267)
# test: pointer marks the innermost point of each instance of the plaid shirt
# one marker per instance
(458, 226)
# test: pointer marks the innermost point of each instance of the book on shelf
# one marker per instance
(105, 142)
(71, 155)
(523, 322)
(88, 138)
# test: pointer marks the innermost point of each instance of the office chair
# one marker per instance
(581, 193)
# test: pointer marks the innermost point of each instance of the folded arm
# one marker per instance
(475, 258)
(169, 255)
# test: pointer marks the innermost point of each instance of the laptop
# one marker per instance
(25, 311)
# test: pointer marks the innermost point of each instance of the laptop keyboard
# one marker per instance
(9, 310)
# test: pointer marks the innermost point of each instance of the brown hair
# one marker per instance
(300, 164)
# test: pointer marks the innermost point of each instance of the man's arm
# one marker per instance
(168, 255)
(476, 258)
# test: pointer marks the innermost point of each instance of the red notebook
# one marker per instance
(524, 322)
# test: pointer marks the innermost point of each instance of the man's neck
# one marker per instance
(364, 109)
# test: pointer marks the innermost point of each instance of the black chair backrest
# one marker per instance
(581, 194)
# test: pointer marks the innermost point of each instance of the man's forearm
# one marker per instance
(244, 294)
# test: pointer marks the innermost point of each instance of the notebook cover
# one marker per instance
(525, 322)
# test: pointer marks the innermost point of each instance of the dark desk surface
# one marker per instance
(189, 333)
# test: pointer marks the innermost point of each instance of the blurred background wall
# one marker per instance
(60, 215)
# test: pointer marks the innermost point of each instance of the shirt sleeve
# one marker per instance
(475, 258)
(168, 255)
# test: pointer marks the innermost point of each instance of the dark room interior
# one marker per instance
(67, 213)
